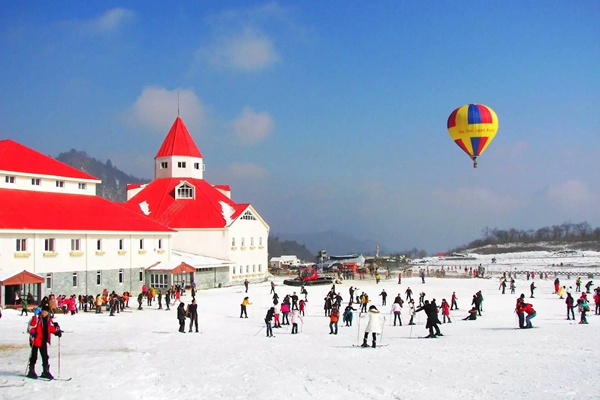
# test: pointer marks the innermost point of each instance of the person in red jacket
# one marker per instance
(528, 309)
(40, 329)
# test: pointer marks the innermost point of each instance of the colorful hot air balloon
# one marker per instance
(473, 127)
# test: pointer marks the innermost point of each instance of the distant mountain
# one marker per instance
(335, 243)
(114, 181)
(279, 248)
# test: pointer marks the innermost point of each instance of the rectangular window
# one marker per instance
(121, 244)
(9, 179)
(233, 270)
(247, 268)
(259, 267)
(99, 244)
(121, 276)
(251, 241)
(75, 244)
(141, 274)
(75, 280)
(253, 268)
(141, 244)
(260, 241)
(232, 242)
(196, 165)
(49, 245)
(160, 244)
(21, 244)
(81, 185)
(164, 165)
(35, 181)
(48, 281)
(180, 164)
(98, 277)
(60, 184)
(243, 241)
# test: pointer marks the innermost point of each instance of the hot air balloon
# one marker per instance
(473, 127)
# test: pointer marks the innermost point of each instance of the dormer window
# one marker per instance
(81, 185)
(60, 184)
(196, 165)
(248, 216)
(185, 191)
(164, 165)
(9, 179)
(180, 164)
(35, 181)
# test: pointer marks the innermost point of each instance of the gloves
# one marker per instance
(33, 335)
(59, 333)
(56, 325)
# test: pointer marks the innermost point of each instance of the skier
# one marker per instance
(348, 315)
(519, 312)
(570, 302)
(275, 299)
(160, 299)
(296, 318)
(383, 295)
(432, 319)
(445, 311)
(472, 314)
(40, 329)
(334, 316)
(583, 308)
(246, 283)
(588, 286)
(268, 319)
(528, 309)
(285, 310)
(578, 284)
(400, 278)
(304, 292)
(272, 287)
(294, 301)
(168, 299)
(301, 307)
(374, 326)
(408, 293)
(140, 298)
(532, 287)
(411, 305)
(245, 303)
(556, 285)
(454, 303)
(181, 317)
(396, 310)
(192, 313)
(327, 306)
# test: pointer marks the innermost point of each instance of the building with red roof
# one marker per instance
(208, 222)
(53, 225)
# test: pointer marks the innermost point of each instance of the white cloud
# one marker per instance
(111, 21)
(251, 127)
(156, 108)
(570, 195)
(247, 171)
(247, 50)
(474, 200)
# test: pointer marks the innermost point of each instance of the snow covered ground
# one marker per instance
(140, 353)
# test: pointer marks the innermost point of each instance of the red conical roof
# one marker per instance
(178, 142)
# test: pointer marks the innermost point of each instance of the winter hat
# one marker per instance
(372, 308)
(45, 308)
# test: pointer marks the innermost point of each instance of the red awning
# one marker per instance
(21, 278)
(183, 268)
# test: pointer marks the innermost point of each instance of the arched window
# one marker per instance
(185, 191)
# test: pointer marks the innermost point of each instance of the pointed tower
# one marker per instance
(178, 156)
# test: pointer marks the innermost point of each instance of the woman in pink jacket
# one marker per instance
(296, 318)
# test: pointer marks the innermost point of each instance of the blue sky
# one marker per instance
(326, 115)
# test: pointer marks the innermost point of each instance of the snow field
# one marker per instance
(140, 353)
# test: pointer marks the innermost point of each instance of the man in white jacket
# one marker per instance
(374, 326)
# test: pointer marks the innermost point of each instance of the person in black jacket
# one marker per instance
(168, 298)
(193, 314)
(181, 317)
(268, 319)
(432, 319)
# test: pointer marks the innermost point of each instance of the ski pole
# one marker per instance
(59, 356)
(358, 331)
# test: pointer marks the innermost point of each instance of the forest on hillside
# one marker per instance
(580, 235)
